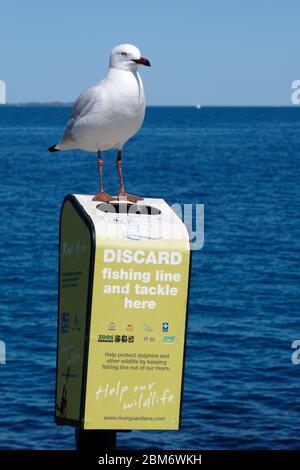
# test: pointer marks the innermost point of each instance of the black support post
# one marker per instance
(87, 440)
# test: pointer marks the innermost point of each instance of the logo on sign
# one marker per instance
(105, 339)
(149, 339)
(165, 327)
(65, 323)
(124, 339)
(148, 328)
(169, 339)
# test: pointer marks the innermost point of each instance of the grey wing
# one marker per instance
(81, 107)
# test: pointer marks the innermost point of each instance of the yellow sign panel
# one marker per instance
(136, 319)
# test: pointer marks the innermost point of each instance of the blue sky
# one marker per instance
(215, 52)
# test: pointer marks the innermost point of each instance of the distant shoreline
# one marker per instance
(32, 104)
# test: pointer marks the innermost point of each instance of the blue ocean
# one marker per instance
(241, 387)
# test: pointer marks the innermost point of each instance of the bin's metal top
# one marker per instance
(150, 219)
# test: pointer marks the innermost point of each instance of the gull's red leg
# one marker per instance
(102, 196)
(123, 196)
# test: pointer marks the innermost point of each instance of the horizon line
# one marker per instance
(71, 103)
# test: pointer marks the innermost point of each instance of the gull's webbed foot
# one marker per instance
(104, 197)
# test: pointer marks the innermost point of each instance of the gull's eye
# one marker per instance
(124, 54)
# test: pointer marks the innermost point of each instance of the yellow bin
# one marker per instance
(123, 294)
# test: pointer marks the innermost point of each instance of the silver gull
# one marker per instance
(106, 115)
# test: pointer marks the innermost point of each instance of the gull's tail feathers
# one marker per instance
(54, 148)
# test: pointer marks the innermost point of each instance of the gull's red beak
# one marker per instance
(142, 61)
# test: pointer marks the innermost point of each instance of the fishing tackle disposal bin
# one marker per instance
(122, 315)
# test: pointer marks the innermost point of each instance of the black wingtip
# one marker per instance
(53, 149)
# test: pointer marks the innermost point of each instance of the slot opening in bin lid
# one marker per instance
(126, 208)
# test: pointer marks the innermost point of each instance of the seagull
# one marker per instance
(108, 114)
